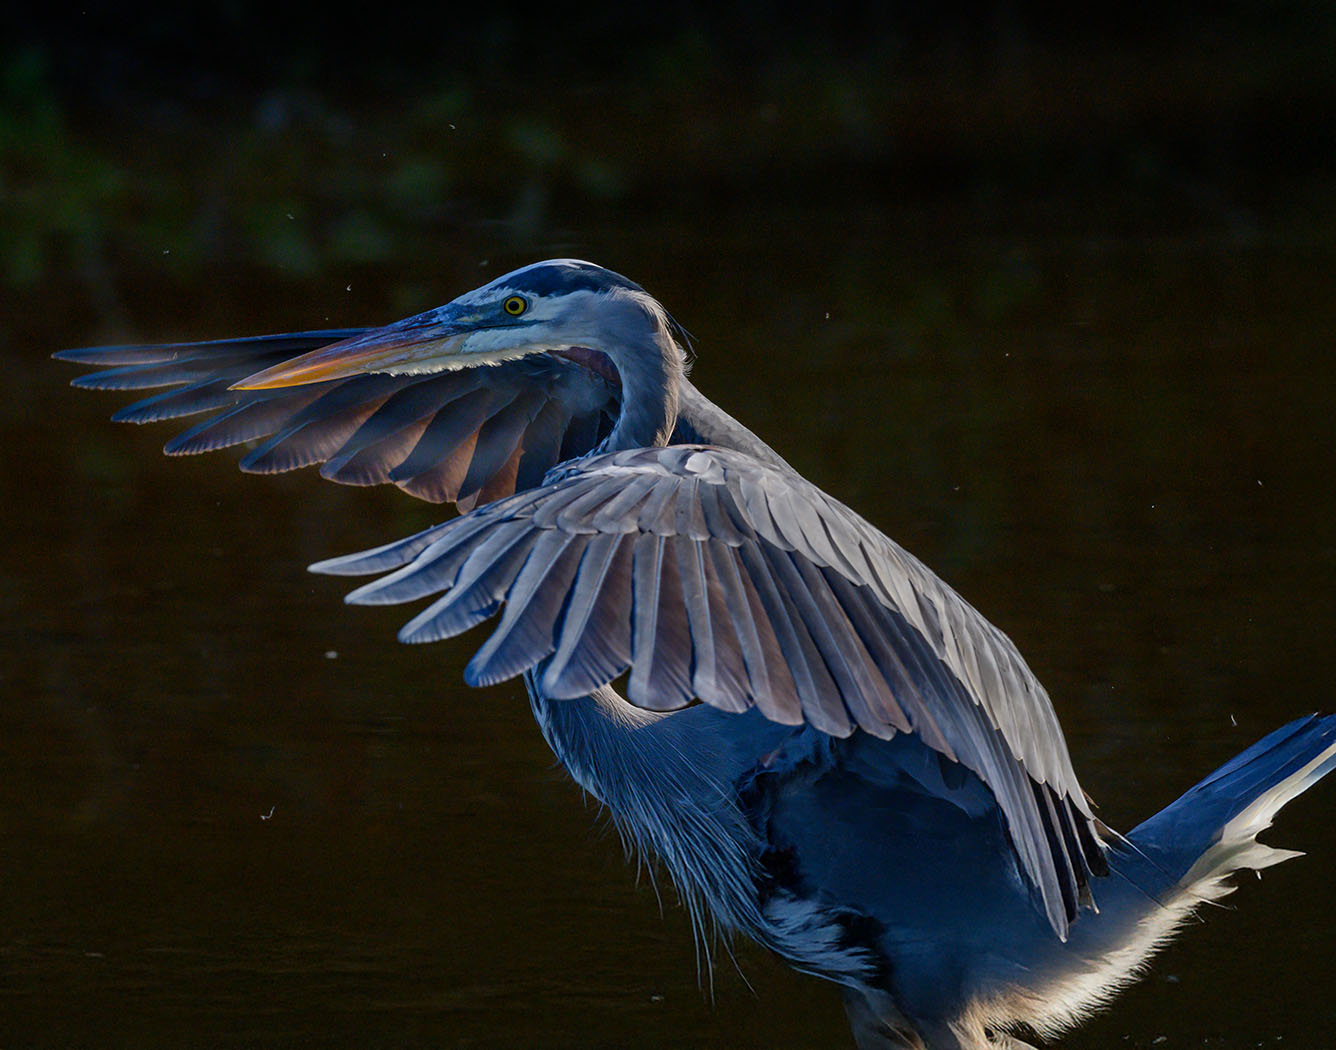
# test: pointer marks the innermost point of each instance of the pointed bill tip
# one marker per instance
(297, 372)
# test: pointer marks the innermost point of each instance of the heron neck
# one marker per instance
(650, 373)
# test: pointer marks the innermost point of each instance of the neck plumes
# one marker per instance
(668, 792)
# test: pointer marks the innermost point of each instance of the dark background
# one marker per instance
(1044, 292)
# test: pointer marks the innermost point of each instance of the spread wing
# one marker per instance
(708, 574)
(469, 436)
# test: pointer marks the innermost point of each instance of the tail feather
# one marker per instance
(1212, 829)
(1176, 861)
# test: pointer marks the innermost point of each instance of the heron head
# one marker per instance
(562, 307)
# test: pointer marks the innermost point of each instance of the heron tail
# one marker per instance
(1178, 860)
(1195, 843)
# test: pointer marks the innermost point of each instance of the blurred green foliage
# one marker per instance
(59, 195)
(329, 150)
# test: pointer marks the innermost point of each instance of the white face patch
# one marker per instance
(547, 324)
(494, 345)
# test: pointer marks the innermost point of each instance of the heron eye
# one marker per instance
(515, 305)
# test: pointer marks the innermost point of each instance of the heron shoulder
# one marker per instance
(701, 422)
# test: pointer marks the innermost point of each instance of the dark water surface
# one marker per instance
(234, 812)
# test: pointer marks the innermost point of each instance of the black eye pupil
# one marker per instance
(515, 305)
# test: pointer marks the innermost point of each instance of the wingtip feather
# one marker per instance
(373, 593)
(358, 564)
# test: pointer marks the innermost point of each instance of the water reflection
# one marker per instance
(1119, 452)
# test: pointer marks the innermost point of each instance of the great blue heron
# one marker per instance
(876, 787)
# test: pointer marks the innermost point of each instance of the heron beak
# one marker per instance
(409, 346)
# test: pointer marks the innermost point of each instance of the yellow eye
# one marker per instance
(515, 305)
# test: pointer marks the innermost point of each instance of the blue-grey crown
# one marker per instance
(562, 276)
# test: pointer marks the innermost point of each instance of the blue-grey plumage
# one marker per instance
(876, 786)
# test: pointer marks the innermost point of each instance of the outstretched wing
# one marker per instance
(468, 436)
(709, 574)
